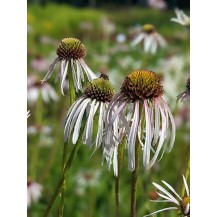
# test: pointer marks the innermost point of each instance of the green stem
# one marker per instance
(187, 170)
(120, 164)
(134, 180)
(62, 178)
(65, 147)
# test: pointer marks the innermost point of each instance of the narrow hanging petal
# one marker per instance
(172, 189)
(78, 123)
(138, 39)
(157, 124)
(173, 135)
(186, 185)
(79, 71)
(166, 193)
(147, 147)
(50, 70)
(100, 125)
(162, 136)
(161, 210)
(64, 76)
(90, 74)
(132, 138)
(75, 80)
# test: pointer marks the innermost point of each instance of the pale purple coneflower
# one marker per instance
(94, 100)
(143, 115)
(171, 196)
(181, 18)
(39, 64)
(151, 39)
(158, 4)
(35, 89)
(71, 52)
(186, 93)
(34, 191)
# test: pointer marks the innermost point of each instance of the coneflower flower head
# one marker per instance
(71, 48)
(96, 96)
(151, 39)
(140, 96)
(149, 28)
(169, 194)
(71, 51)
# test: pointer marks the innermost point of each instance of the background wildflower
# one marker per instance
(151, 39)
(36, 89)
(181, 18)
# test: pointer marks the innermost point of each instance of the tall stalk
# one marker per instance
(65, 147)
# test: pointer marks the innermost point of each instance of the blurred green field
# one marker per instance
(46, 27)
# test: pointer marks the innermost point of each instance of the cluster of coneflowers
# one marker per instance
(137, 118)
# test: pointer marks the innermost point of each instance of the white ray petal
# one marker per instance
(186, 186)
(78, 123)
(138, 39)
(161, 210)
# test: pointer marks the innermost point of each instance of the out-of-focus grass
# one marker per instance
(57, 22)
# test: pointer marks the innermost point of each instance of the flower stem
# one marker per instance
(65, 147)
(187, 170)
(117, 178)
(62, 178)
(134, 180)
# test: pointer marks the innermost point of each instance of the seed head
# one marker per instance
(71, 48)
(99, 89)
(141, 85)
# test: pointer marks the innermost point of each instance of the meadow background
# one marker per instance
(90, 186)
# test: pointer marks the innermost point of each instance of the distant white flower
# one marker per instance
(158, 4)
(35, 89)
(151, 39)
(140, 96)
(170, 196)
(121, 38)
(95, 99)
(71, 51)
(108, 27)
(181, 18)
(39, 64)
(34, 191)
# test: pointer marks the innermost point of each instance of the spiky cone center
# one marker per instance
(71, 48)
(99, 89)
(148, 28)
(185, 201)
(142, 85)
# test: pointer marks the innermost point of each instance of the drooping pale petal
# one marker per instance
(186, 185)
(161, 210)
(172, 189)
(132, 138)
(162, 136)
(147, 147)
(64, 76)
(173, 134)
(78, 123)
(50, 70)
(138, 39)
(88, 71)
(166, 193)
